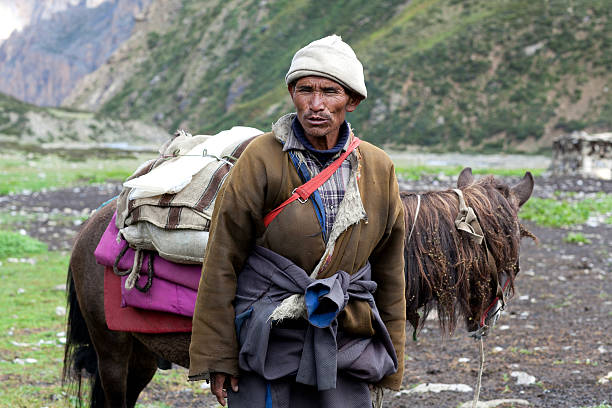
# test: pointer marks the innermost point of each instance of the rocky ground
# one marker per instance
(553, 344)
(551, 348)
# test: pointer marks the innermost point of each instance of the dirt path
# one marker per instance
(557, 328)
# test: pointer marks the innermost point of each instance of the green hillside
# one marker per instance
(26, 125)
(450, 74)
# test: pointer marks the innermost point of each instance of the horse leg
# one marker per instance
(142, 368)
(114, 351)
(113, 348)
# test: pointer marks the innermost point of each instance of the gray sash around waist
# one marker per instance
(315, 353)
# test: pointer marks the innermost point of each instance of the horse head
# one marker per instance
(519, 193)
(463, 252)
(502, 259)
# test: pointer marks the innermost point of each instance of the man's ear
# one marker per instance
(290, 88)
(353, 102)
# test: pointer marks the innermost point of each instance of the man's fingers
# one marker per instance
(218, 382)
(220, 397)
(234, 381)
(223, 397)
(220, 400)
(217, 388)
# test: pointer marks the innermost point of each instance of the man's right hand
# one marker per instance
(217, 383)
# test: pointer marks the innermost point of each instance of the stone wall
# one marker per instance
(581, 154)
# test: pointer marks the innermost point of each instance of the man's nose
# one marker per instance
(316, 102)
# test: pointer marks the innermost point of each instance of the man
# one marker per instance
(308, 308)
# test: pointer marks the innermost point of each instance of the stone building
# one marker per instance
(581, 154)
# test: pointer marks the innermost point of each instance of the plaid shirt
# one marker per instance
(332, 191)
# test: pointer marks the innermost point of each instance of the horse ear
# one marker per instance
(524, 188)
(465, 178)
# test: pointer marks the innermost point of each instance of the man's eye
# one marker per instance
(334, 91)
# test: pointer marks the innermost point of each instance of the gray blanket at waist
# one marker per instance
(315, 353)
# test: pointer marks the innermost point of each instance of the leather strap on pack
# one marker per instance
(304, 191)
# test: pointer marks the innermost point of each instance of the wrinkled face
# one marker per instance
(321, 105)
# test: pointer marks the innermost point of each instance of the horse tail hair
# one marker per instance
(80, 359)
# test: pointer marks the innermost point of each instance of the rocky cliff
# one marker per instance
(15, 15)
(95, 89)
(64, 40)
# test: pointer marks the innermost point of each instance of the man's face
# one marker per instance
(321, 105)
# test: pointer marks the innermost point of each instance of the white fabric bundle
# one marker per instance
(176, 173)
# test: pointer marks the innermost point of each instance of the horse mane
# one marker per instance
(444, 266)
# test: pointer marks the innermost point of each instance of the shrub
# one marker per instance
(552, 213)
(576, 238)
(13, 244)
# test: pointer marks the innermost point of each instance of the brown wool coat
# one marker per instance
(262, 179)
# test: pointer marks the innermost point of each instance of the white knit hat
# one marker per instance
(332, 58)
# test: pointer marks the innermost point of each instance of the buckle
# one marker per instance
(298, 196)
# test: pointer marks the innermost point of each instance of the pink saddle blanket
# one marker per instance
(173, 287)
(133, 319)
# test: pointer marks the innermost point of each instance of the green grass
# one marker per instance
(398, 21)
(15, 245)
(416, 172)
(31, 327)
(602, 405)
(576, 238)
(555, 213)
(20, 171)
(68, 114)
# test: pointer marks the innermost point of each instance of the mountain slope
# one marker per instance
(14, 15)
(25, 124)
(480, 74)
(41, 63)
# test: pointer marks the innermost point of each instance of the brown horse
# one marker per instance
(443, 268)
(445, 265)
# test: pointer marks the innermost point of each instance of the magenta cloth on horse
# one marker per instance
(174, 287)
(134, 319)
(163, 296)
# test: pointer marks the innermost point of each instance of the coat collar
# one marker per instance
(351, 209)
(282, 127)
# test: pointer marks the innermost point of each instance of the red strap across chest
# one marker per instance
(305, 190)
